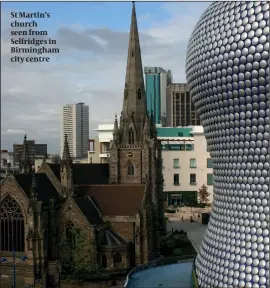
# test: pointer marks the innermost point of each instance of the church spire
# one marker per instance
(115, 129)
(25, 163)
(66, 153)
(33, 189)
(134, 103)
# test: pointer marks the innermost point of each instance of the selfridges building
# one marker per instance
(227, 70)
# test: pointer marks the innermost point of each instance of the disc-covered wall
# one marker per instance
(227, 70)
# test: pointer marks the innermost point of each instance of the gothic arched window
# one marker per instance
(131, 169)
(117, 258)
(104, 261)
(130, 136)
(11, 225)
(139, 94)
(70, 232)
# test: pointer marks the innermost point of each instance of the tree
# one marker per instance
(77, 255)
(204, 194)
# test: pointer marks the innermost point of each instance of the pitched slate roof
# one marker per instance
(89, 210)
(86, 174)
(106, 237)
(115, 200)
(45, 189)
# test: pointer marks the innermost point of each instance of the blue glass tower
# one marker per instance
(156, 82)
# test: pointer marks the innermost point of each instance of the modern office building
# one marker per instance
(156, 81)
(99, 149)
(180, 108)
(75, 123)
(186, 164)
(39, 151)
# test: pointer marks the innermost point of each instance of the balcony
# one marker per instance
(174, 272)
(193, 183)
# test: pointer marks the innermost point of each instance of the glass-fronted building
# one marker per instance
(156, 81)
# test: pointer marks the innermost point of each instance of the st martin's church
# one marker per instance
(119, 205)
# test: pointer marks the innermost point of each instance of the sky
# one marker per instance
(93, 40)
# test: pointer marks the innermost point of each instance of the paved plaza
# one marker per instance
(195, 230)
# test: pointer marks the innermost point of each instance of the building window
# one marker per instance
(175, 179)
(192, 163)
(131, 169)
(139, 94)
(70, 233)
(209, 163)
(117, 258)
(176, 163)
(210, 179)
(104, 261)
(193, 179)
(130, 136)
(189, 147)
(11, 225)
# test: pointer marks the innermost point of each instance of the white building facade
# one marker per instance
(7, 164)
(75, 123)
(186, 164)
(102, 145)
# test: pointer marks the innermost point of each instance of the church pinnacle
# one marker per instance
(134, 103)
(66, 154)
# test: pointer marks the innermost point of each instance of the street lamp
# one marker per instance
(14, 262)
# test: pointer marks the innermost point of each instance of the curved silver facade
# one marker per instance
(228, 73)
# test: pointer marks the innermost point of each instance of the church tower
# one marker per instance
(135, 155)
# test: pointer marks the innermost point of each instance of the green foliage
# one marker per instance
(77, 255)
(203, 194)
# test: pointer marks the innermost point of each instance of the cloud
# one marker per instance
(13, 132)
(90, 68)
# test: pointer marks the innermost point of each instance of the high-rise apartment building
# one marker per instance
(180, 109)
(75, 123)
(156, 81)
